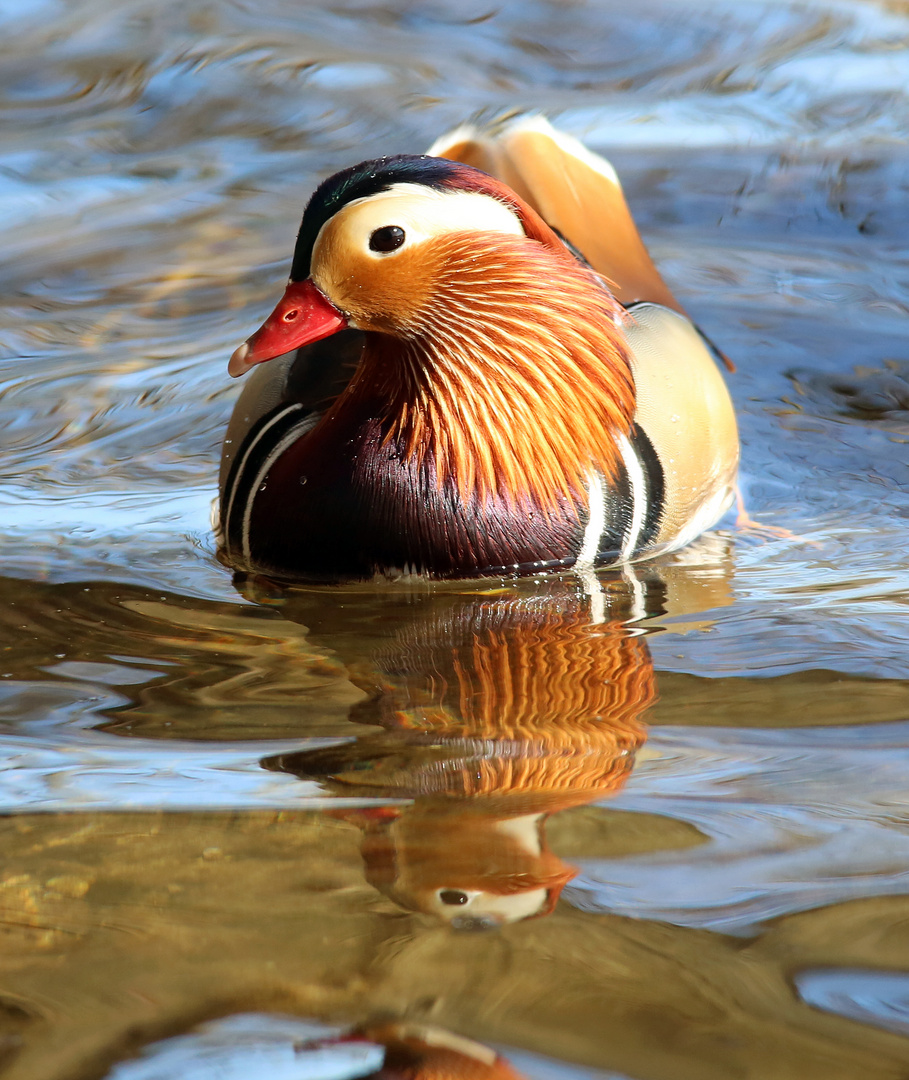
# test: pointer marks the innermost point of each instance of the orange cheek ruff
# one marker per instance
(513, 378)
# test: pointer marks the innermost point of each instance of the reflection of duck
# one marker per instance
(425, 1052)
(499, 411)
(494, 718)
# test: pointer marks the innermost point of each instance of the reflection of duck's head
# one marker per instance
(468, 864)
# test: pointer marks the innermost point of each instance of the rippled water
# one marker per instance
(245, 805)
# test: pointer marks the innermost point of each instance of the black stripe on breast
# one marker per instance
(656, 486)
(316, 377)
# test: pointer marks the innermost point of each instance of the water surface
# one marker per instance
(683, 825)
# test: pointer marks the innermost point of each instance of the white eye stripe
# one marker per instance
(421, 212)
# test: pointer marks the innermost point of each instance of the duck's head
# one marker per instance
(375, 242)
(499, 354)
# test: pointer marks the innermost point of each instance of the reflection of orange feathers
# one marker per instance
(496, 715)
(553, 678)
(551, 706)
(420, 1052)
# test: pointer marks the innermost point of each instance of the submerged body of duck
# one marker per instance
(492, 378)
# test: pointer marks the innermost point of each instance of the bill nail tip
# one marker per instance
(237, 364)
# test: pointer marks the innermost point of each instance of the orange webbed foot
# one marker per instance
(745, 523)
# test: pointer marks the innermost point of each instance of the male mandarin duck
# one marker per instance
(492, 378)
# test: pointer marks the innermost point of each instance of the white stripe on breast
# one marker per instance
(638, 484)
(596, 512)
(296, 432)
(238, 475)
(596, 523)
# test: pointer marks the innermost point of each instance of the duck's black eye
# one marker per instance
(387, 238)
(453, 896)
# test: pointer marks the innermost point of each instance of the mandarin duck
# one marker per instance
(481, 373)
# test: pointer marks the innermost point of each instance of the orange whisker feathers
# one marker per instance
(515, 379)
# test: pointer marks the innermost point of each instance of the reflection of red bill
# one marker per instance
(425, 1052)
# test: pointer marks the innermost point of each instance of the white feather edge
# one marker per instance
(536, 123)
